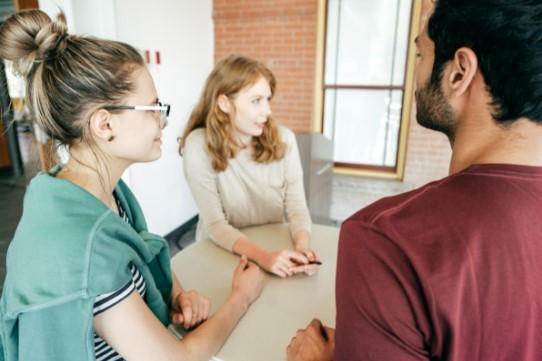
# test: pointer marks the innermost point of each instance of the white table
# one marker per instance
(284, 306)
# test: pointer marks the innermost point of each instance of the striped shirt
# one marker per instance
(103, 302)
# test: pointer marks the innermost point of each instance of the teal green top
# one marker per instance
(68, 248)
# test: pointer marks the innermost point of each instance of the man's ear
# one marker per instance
(463, 69)
(224, 103)
(100, 124)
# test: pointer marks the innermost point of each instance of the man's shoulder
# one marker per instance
(392, 205)
(411, 206)
(458, 194)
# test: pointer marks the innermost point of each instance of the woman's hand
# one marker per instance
(189, 309)
(248, 280)
(312, 256)
(282, 263)
(307, 252)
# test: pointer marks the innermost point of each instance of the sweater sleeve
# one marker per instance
(202, 180)
(295, 202)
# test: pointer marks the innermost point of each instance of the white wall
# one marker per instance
(96, 17)
(182, 30)
(52, 7)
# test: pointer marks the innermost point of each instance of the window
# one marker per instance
(366, 95)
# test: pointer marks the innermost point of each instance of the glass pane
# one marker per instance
(401, 44)
(329, 112)
(394, 127)
(331, 42)
(365, 125)
(366, 41)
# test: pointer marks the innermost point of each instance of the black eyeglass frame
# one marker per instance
(164, 110)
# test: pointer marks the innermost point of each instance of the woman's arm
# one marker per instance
(296, 203)
(136, 334)
(282, 263)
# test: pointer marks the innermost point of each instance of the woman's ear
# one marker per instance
(463, 69)
(101, 125)
(224, 103)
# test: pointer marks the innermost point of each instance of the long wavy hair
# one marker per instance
(229, 76)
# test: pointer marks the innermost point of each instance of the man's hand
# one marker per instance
(315, 343)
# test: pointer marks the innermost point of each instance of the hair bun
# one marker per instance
(28, 38)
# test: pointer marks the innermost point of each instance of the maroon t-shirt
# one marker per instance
(451, 271)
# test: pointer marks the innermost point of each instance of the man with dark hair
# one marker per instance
(451, 271)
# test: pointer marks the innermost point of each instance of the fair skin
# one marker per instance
(477, 139)
(251, 108)
(129, 326)
(136, 334)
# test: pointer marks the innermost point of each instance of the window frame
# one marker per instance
(386, 172)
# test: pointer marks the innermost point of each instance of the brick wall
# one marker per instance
(282, 34)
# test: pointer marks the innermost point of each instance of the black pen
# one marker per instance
(315, 262)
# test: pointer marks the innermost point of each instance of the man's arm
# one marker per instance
(381, 307)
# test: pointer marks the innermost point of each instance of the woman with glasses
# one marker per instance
(85, 279)
(243, 169)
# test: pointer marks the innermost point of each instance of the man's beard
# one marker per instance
(433, 111)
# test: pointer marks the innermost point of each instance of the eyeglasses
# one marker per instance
(162, 108)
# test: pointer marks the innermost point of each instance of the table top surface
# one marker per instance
(284, 306)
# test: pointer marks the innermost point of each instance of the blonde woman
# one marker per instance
(243, 169)
(85, 279)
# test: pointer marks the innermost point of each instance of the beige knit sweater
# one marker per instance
(247, 193)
